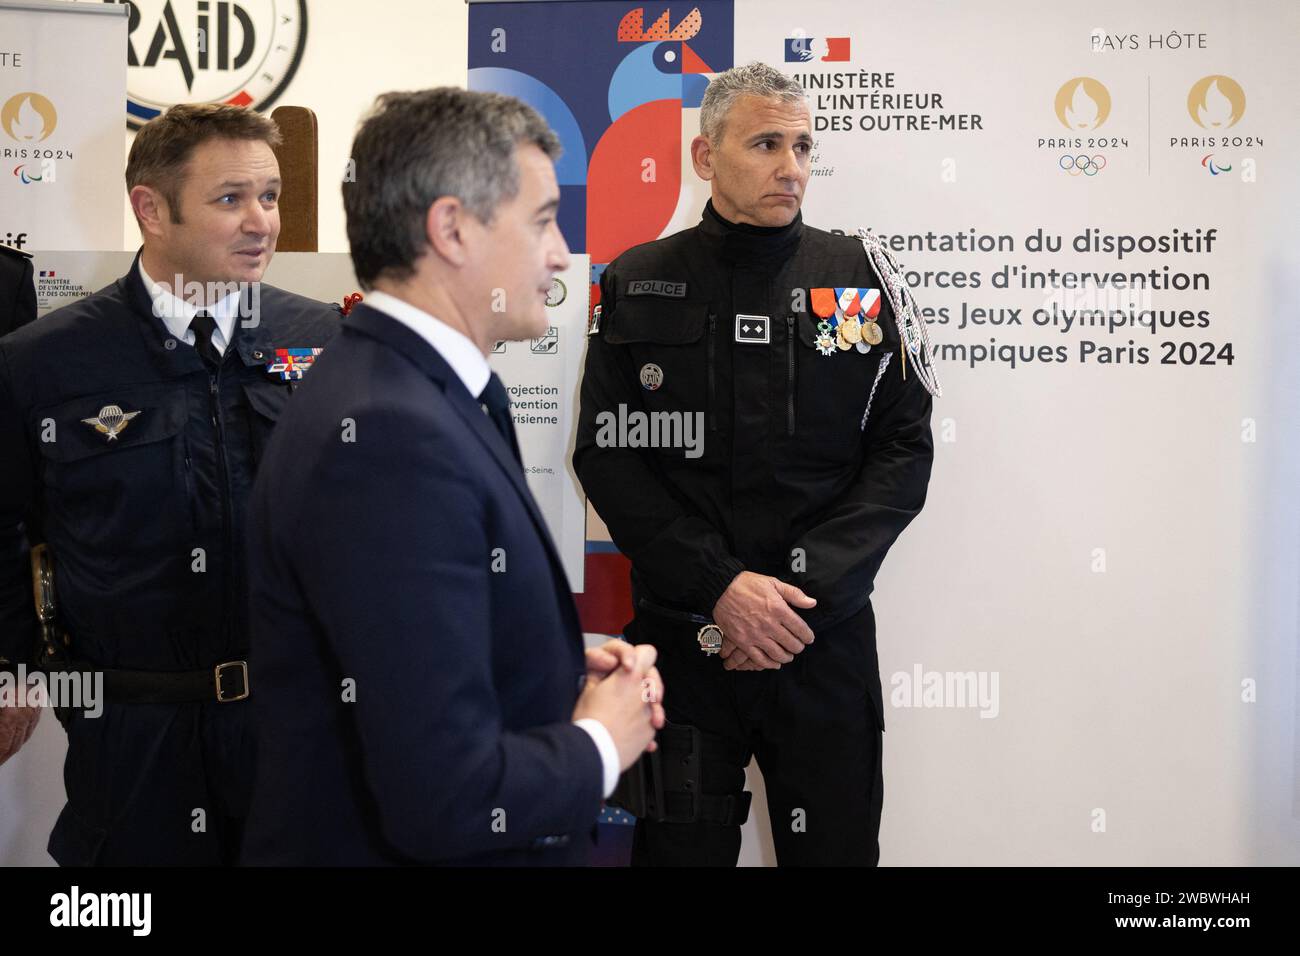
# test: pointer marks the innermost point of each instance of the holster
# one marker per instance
(53, 652)
(664, 785)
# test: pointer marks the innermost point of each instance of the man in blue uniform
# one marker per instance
(17, 291)
(754, 552)
(131, 427)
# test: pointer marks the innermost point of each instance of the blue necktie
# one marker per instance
(497, 402)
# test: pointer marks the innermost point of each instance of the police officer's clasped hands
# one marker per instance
(760, 629)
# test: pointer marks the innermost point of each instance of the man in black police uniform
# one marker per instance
(131, 426)
(774, 534)
(17, 291)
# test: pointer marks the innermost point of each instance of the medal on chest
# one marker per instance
(848, 319)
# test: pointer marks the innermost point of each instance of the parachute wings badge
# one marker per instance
(111, 421)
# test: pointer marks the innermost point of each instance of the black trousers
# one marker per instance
(156, 785)
(815, 727)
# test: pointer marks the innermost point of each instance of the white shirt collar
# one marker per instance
(177, 314)
(457, 349)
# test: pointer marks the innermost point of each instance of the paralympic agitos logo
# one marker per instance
(210, 51)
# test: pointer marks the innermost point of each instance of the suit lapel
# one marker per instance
(376, 324)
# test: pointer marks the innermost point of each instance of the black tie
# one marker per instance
(204, 326)
(497, 402)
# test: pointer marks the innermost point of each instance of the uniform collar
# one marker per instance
(177, 314)
(741, 242)
(253, 341)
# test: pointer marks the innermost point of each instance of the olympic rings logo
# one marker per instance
(1087, 165)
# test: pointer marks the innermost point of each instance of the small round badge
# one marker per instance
(652, 376)
(557, 293)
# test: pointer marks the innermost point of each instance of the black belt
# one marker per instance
(225, 683)
(671, 614)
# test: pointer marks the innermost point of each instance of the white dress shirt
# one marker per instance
(472, 368)
(177, 314)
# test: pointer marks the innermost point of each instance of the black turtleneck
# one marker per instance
(742, 242)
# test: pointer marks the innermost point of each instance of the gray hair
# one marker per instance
(414, 148)
(753, 79)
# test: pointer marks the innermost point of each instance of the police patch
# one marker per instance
(659, 287)
(752, 329)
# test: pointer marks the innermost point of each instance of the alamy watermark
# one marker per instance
(955, 689)
(207, 294)
(75, 690)
(638, 429)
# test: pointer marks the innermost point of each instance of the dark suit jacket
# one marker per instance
(416, 653)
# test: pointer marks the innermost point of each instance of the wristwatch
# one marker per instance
(710, 638)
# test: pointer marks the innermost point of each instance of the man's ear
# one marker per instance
(702, 158)
(150, 210)
(445, 226)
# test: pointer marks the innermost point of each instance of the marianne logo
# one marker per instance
(210, 51)
(1082, 103)
(1216, 102)
(28, 117)
(801, 49)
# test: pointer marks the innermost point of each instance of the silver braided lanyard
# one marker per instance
(880, 373)
(911, 329)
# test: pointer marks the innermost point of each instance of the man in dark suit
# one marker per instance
(423, 692)
(17, 291)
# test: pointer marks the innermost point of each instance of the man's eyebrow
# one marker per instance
(245, 183)
(803, 137)
(549, 206)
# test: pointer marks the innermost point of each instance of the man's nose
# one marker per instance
(258, 220)
(559, 252)
(790, 169)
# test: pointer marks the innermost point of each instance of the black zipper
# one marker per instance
(789, 364)
(713, 404)
(227, 528)
(190, 495)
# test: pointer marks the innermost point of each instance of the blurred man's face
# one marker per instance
(521, 250)
(230, 219)
(760, 168)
